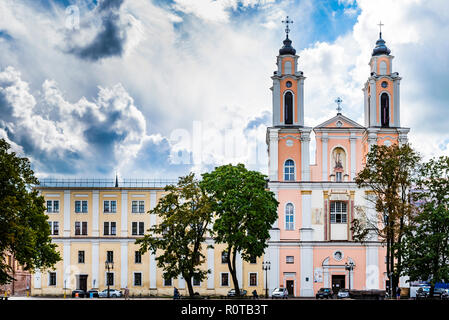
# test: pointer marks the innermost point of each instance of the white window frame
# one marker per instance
(135, 257)
(109, 228)
(345, 213)
(109, 202)
(249, 279)
(52, 227)
(138, 228)
(134, 279)
(289, 174)
(84, 257)
(287, 224)
(53, 206)
(290, 71)
(81, 206)
(138, 203)
(56, 279)
(221, 279)
(195, 285)
(287, 260)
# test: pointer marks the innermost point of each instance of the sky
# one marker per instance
(157, 88)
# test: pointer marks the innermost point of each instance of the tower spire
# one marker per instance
(338, 101)
(380, 29)
(287, 29)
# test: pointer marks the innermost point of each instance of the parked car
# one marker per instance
(231, 293)
(445, 295)
(343, 293)
(113, 293)
(437, 292)
(422, 293)
(281, 293)
(324, 293)
(81, 293)
(94, 293)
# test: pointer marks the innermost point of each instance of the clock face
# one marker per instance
(384, 84)
(288, 84)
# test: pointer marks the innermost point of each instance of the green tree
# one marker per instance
(186, 217)
(389, 174)
(24, 230)
(426, 241)
(245, 211)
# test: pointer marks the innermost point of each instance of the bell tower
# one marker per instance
(382, 99)
(288, 86)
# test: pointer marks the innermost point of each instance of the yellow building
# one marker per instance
(92, 221)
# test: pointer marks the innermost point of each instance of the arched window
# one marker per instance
(385, 110)
(224, 257)
(289, 170)
(383, 67)
(289, 214)
(288, 103)
(288, 67)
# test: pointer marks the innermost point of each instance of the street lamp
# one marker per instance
(108, 265)
(266, 266)
(349, 266)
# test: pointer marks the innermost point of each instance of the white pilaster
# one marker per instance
(353, 140)
(372, 267)
(67, 221)
(67, 265)
(273, 154)
(95, 213)
(124, 264)
(306, 271)
(95, 264)
(276, 102)
(373, 104)
(152, 271)
(305, 163)
(300, 102)
(124, 217)
(152, 205)
(273, 274)
(38, 279)
(181, 282)
(210, 264)
(324, 140)
(239, 270)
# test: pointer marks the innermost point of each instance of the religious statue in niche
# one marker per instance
(339, 159)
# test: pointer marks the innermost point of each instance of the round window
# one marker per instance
(384, 84)
(289, 84)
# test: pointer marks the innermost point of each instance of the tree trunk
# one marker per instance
(232, 269)
(189, 286)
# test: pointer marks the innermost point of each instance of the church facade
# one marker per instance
(311, 244)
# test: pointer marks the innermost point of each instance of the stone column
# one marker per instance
(124, 217)
(305, 163)
(67, 221)
(210, 265)
(95, 264)
(353, 140)
(95, 213)
(124, 264)
(273, 154)
(324, 140)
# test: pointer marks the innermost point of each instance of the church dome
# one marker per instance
(381, 48)
(287, 48)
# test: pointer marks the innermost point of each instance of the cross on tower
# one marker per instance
(287, 21)
(338, 101)
(380, 28)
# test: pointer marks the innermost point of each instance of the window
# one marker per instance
(253, 260)
(137, 278)
(290, 259)
(81, 206)
(138, 228)
(110, 206)
(225, 279)
(109, 278)
(53, 206)
(167, 282)
(288, 107)
(196, 281)
(138, 206)
(52, 278)
(110, 256)
(385, 110)
(80, 228)
(289, 215)
(80, 256)
(289, 170)
(224, 257)
(110, 228)
(137, 257)
(54, 227)
(253, 279)
(338, 177)
(338, 212)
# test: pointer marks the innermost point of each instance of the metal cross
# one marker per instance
(287, 21)
(338, 101)
(380, 26)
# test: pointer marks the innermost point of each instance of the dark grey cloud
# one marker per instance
(111, 36)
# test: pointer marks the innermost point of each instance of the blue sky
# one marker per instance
(153, 88)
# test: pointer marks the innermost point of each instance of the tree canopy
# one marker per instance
(245, 212)
(24, 230)
(185, 218)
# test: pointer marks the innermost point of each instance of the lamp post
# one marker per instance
(389, 274)
(108, 265)
(266, 266)
(349, 266)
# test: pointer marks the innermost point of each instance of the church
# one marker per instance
(311, 244)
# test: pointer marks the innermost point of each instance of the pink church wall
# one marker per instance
(293, 196)
(285, 152)
(290, 268)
